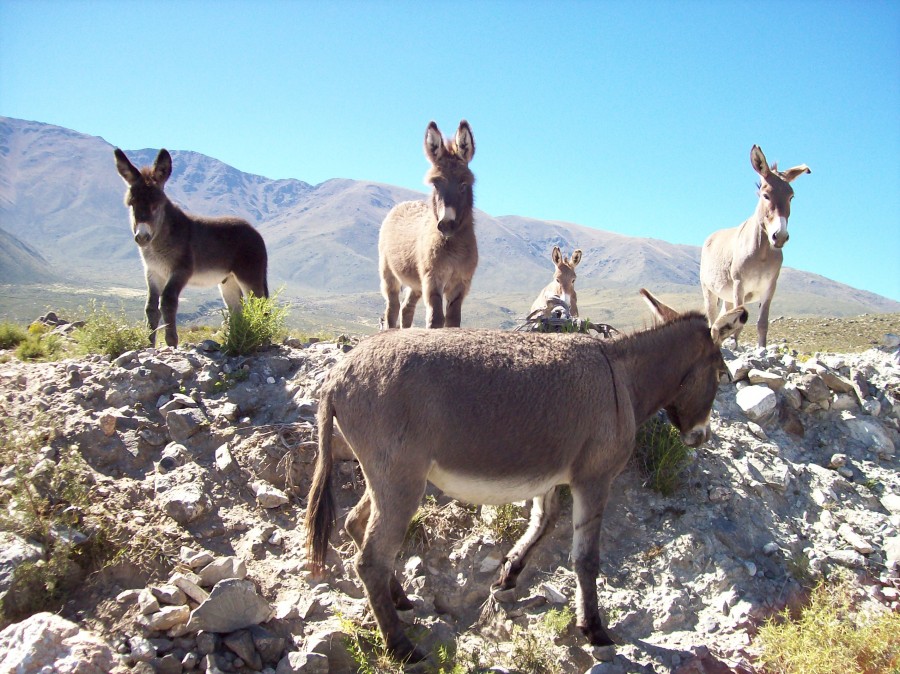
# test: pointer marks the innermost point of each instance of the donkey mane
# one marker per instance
(658, 336)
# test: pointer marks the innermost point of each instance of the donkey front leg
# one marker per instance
(455, 298)
(762, 322)
(544, 512)
(152, 310)
(169, 305)
(588, 503)
(232, 293)
(390, 290)
(434, 312)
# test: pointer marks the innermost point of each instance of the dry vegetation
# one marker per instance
(833, 335)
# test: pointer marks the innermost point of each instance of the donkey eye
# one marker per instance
(765, 196)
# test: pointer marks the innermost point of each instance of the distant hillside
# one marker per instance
(20, 263)
(61, 197)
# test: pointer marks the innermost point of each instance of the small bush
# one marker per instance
(110, 334)
(506, 522)
(662, 455)
(260, 322)
(39, 345)
(557, 621)
(11, 335)
(831, 637)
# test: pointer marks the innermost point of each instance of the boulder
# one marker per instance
(45, 642)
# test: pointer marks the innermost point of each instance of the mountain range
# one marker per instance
(65, 237)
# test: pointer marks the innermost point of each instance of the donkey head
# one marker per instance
(145, 197)
(451, 198)
(690, 408)
(564, 276)
(775, 195)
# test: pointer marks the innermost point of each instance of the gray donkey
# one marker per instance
(741, 265)
(180, 249)
(429, 246)
(468, 411)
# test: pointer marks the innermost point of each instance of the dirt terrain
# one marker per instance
(189, 451)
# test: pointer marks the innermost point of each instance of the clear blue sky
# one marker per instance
(633, 117)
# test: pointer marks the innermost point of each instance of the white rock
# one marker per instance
(891, 503)
(166, 618)
(190, 585)
(870, 432)
(232, 605)
(553, 595)
(757, 402)
(48, 643)
(268, 496)
(224, 460)
(223, 568)
(854, 539)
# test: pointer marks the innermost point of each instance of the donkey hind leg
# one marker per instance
(232, 293)
(391, 509)
(588, 503)
(355, 524)
(408, 310)
(544, 512)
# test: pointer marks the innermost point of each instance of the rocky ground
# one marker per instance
(205, 461)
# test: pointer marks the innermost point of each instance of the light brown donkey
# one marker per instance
(469, 411)
(563, 283)
(741, 265)
(429, 246)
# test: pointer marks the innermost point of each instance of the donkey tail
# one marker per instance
(320, 509)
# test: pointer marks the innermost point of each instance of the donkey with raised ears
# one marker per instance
(741, 265)
(563, 283)
(178, 249)
(470, 411)
(429, 246)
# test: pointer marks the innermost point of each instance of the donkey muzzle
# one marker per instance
(142, 234)
(447, 228)
(696, 436)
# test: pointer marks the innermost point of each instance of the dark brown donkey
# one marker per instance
(429, 246)
(741, 265)
(180, 249)
(468, 411)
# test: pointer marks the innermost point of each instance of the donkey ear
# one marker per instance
(727, 324)
(126, 169)
(758, 161)
(465, 142)
(556, 255)
(576, 257)
(162, 167)
(434, 143)
(660, 311)
(792, 173)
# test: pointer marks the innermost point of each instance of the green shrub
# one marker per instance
(506, 522)
(831, 637)
(39, 345)
(110, 334)
(662, 455)
(11, 335)
(260, 322)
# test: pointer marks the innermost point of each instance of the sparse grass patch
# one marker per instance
(832, 636)
(531, 652)
(260, 322)
(661, 455)
(49, 500)
(11, 335)
(108, 333)
(195, 334)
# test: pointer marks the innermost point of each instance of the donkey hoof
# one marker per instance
(503, 594)
(404, 651)
(597, 635)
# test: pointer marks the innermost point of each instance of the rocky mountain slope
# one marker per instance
(204, 462)
(60, 194)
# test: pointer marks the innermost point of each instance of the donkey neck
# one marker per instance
(657, 360)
